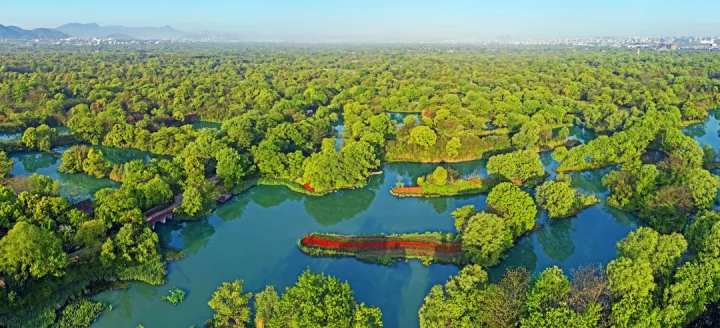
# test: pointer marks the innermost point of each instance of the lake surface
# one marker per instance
(706, 133)
(75, 187)
(254, 238)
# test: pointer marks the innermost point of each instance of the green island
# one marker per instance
(442, 182)
(385, 249)
(560, 199)
(228, 169)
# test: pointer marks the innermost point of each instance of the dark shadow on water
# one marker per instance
(34, 162)
(521, 255)
(556, 239)
(271, 196)
(234, 208)
(339, 206)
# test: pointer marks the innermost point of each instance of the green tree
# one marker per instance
(40, 138)
(662, 252)
(6, 165)
(515, 206)
(550, 290)
(72, 159)
(485, 238)
(317, 300)
(230, 305)
(452, 147)
(560, 199)
(518, 167)
(43, 185)
(133, 244)
(703, 187)
(154, 192)
(91, 233)
(423, 135)
(701, 227)
(193, 201)
(266, 303)
(29, 251)
(95, 165)
(231, 167)
(439, 176)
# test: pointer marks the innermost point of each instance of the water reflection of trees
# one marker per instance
(556, 239)
(195, 236)
(439, 204)
(339, 206)
(521, 255)
(33, 162)
(695, 131)
(471, 168)
(271, 196)
(581, 133)
(590, 181)
(409, 172)
(79, 187)
(621, 217)
(234, 209)
(343, 205)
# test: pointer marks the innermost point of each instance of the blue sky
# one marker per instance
(388, 20)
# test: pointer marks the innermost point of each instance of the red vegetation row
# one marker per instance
(308, 187)
(367, 243)
(408, 190)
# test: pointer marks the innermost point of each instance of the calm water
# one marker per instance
(706, 133)
(75, 187)
(254, 238)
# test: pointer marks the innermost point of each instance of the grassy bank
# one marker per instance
(455, 188)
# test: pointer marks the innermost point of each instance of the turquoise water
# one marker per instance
(75, 187)
(10, 136)
(339, 130)
(706, 133)
(254, 238)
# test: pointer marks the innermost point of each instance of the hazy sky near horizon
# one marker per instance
(383, 20)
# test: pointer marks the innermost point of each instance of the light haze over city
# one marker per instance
(383, 21)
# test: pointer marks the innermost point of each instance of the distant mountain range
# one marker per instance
(17, 33)
(92, 30)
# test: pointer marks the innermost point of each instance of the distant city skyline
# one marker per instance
(383, 21)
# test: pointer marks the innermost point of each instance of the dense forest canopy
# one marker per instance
(279, 111)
